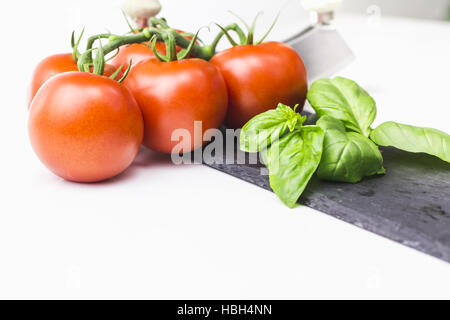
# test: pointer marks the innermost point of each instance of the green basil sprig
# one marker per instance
(347, 156)
(291, 151)
(413, 139)
(345, 100)
(265, 128)
(338, 147)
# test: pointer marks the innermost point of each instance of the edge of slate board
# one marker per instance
(409, 205)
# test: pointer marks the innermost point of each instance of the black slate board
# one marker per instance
(410, 204)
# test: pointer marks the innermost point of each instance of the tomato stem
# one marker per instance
(183, 54)
(197, 51)
(224, 32)
(251, 30)
(158, 30)
(171, 46)
(158, 55)
(91, 41)
(131, 39)
(158, 22)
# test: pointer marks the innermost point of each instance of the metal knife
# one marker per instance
(321, 47)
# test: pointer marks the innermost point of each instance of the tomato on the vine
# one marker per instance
(85, 127)
(56, 64)
(259, 77)
(173, 95)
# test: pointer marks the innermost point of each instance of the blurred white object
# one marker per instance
(323, 9)
(141, 9)
(321, 6)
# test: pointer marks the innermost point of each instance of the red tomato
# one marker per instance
(138, 52)
(57, 64)
(85, 127)
(172, 95)
(259, 77)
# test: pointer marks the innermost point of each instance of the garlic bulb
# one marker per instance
(141, 9)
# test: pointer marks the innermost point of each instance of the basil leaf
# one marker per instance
(347, 156)
(292, 160)
(267, 127)
(345, 100)
(413, 139)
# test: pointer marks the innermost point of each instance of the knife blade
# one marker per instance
(323, 50)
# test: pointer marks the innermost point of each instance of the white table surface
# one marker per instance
(165, 231)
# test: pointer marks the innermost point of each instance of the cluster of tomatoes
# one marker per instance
(89, 127)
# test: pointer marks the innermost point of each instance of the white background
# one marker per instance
(428, 9)
(160, 231)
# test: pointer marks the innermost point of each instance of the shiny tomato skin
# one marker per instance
(48, 68)
(259, 77)
(56, 64)
(172, 95)
(85, 127)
